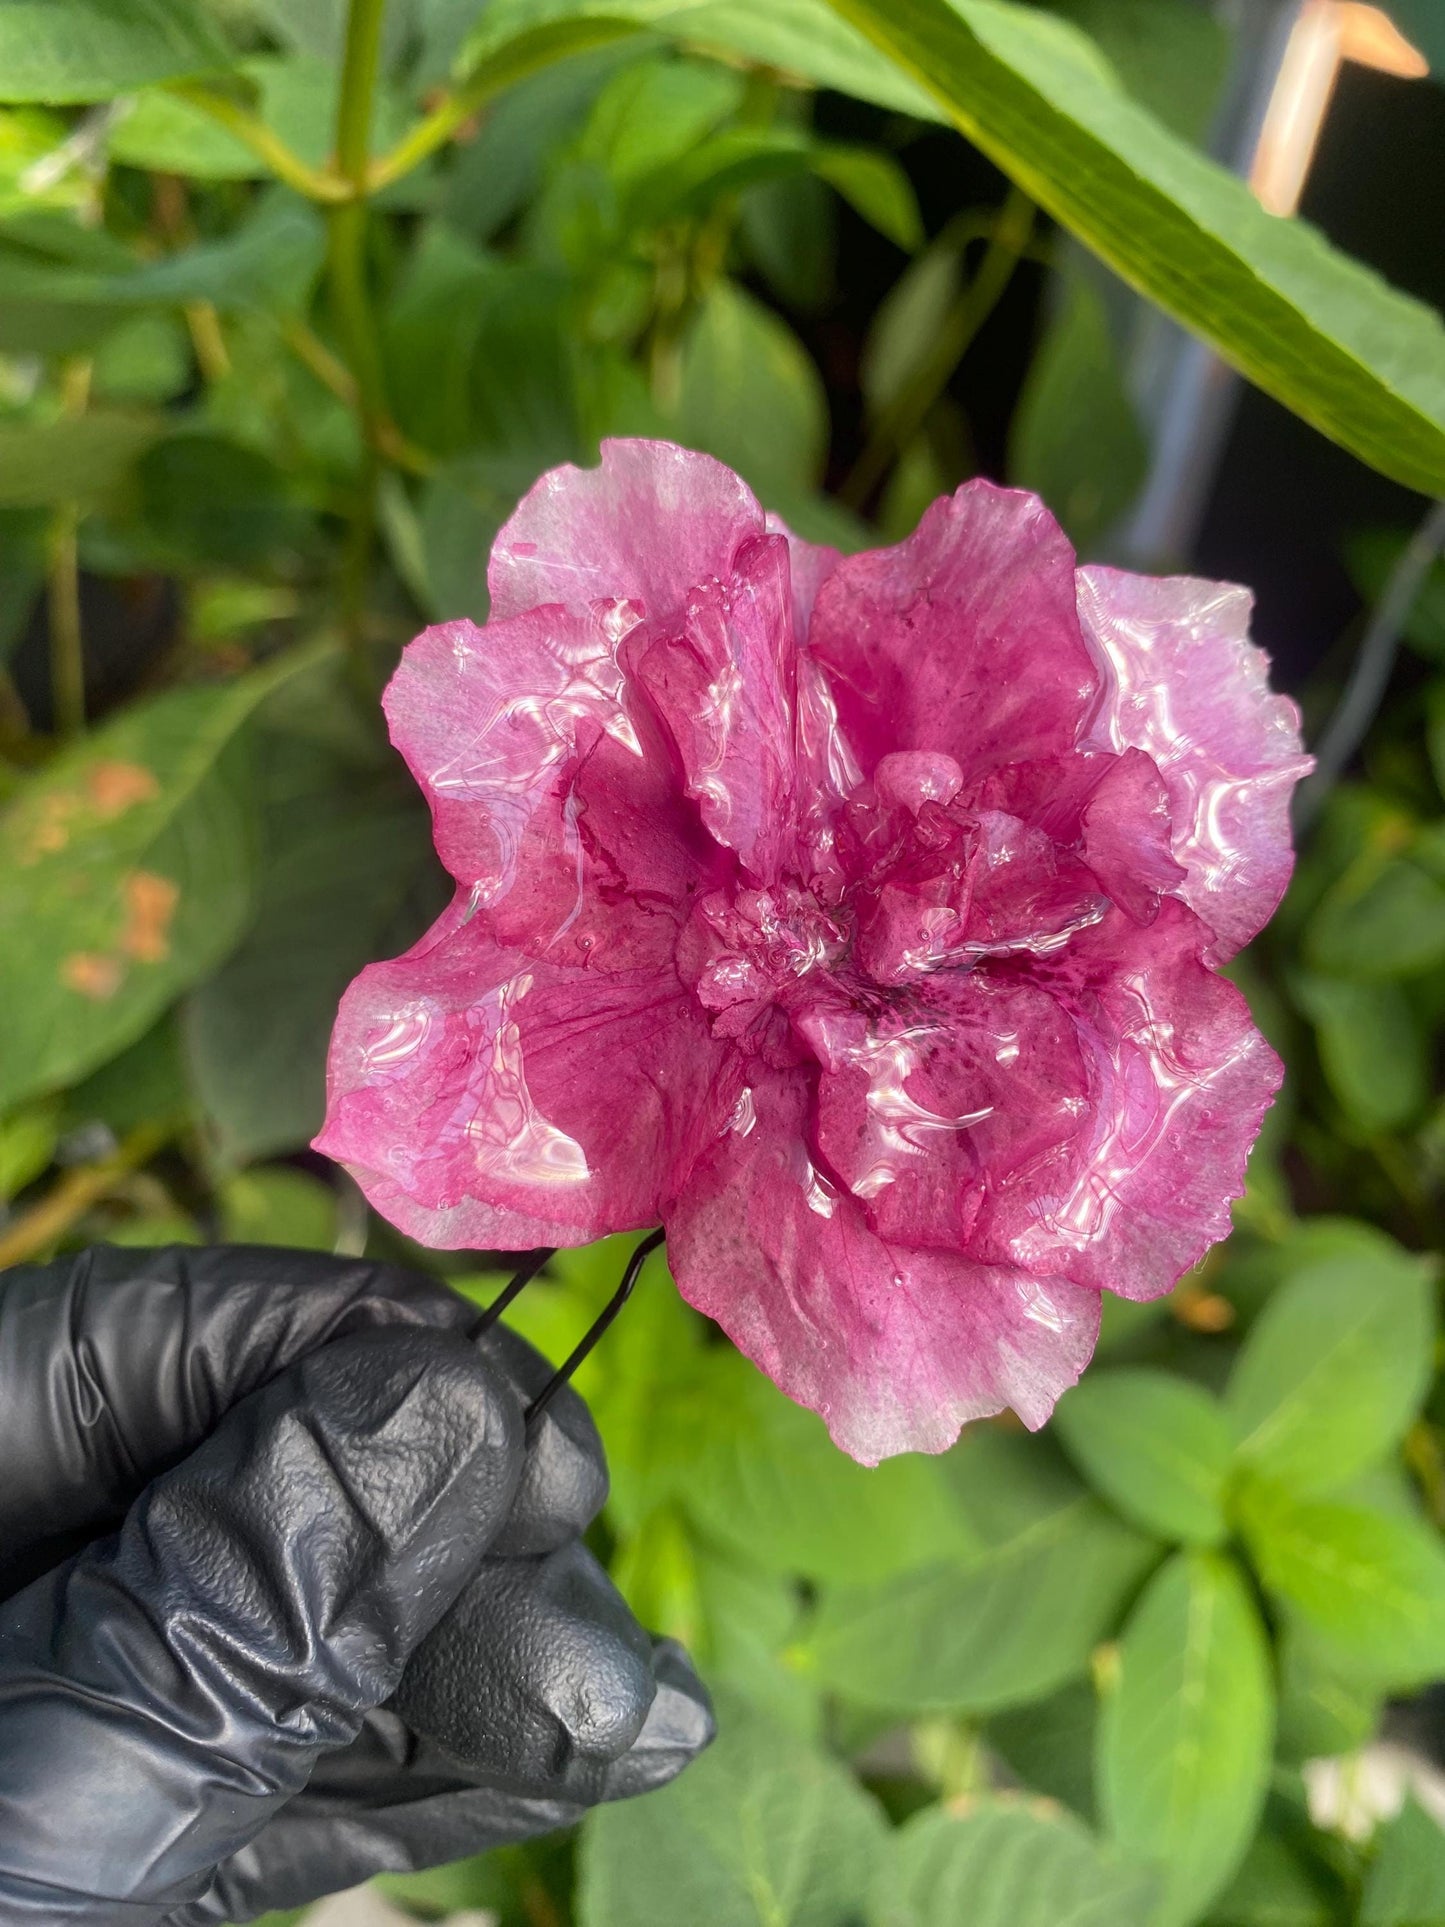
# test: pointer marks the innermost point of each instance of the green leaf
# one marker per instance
(1185, 1734)
(1405, 1886)
(769, 1483)
(273, 1205)
(908, 320)
(125, 870)
(1369, 1586)
(762, 1831)
(1358, 360)
(80, 457)
(339, 888)
(1049, 1745)
(1171, 55)
(1385, 917)
(875, 186)
(1007, 1625)
(1334, 1368)
(1001, 1863)
(1157, 1446)
(1075, 438)
(1276, 1888)
(1321, 1711)
(1372, 1048)
(751, 395)
(64, 50)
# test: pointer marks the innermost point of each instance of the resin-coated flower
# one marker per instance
(852, 918)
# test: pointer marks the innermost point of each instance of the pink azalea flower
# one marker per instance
(852, 918)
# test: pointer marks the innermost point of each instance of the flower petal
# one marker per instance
(896, 1349)
(965, 638)
(1180, 679)
(481, 1092)
(723, 681)
(552, 801)
(649, 524)
(1179, 1079)
(811, 565)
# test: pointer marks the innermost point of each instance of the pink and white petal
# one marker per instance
(931, 1111)
(1181, 680)
(648, 524)
(1179, 1080)
(964, 639)
(472, 1086)
(811, 565)
(896, 1349)
(722, 680)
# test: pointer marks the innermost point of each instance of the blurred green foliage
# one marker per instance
(276, 360)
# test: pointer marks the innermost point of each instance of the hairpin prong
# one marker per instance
(604, 1318)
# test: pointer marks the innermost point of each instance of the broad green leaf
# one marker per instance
(762, 1831)
(146, 359)
(340, 887)
(769, 1483)
(1186, 1731)
(1004, 1863)
(1156, 1445)
(1368, 1586)
(1371, 1046)
(1385, 917)
(908, 320)
(1334, 1368)
(1002, 1627)
(1405, 1886)
(79, 457)
(1358, 360)
(65, 50)
(165, 132)
(1075, 438)
(143, 1084)
(275, 1205)
(750, 1623)
(125, 875)
(1321, 1711)
(750, 394)
(1172, 56)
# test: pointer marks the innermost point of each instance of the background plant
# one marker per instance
(295, 300)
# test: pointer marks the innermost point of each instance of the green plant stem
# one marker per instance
(900, 421)
(527, 55)
(317, 184)
(38, 1230)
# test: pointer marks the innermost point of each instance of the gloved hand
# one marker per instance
(286, 1597)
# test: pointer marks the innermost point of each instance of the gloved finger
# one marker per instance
(393, 1804)
(536, 1678)
(564, 1478)
(164, 1694)
(114, 1364)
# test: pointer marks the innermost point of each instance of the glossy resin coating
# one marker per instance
(854, 918)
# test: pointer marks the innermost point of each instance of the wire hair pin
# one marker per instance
(518, 1284)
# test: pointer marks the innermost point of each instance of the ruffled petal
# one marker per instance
(647, 525)
(897, 1349)
(490, 1098)
(552, 802)
(1178, 1082)
(965, 638)
(811, 565)
(1180, 679)
(723, 681)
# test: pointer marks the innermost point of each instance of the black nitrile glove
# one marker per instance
(286, 1599)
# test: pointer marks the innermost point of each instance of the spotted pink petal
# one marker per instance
(477, 1093)
(895, 1347)
(1181, 680)
(653, 517)
(963, 638)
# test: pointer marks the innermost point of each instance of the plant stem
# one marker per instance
(352, 298)
(900, 421)
(316, 184)
(46, 1223)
